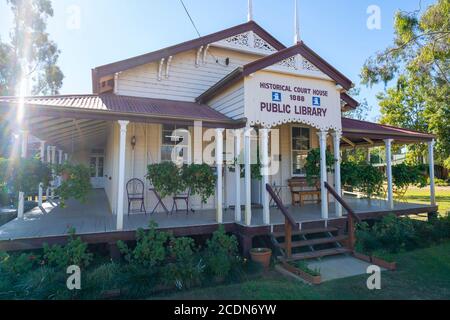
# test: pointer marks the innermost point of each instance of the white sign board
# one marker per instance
(272, 99)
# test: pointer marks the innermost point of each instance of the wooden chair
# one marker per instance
(184, 197)
(300, 188)
(135, 193)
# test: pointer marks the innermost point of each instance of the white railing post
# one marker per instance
(248, 176)
(265, 174)
(237, 175)
(52, 189)
(390, 193)
(219, 166)
(21, 200)
(323, 173)
(431, 163)
(337, 170)
(41, 187)
(121, 174)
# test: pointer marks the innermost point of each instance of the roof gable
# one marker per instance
(310, 57)
(112, 68)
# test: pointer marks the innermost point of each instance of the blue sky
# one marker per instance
(112, 30)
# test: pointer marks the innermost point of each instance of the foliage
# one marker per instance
(302, 265)
(362, 176)
(30, 52)
(169, 179)
(200, 179)
(312, 165)
(166, 178)
(24, 174)
(419, 62)
(77, 183)
(75, 252)
(150, 251)
(185, 268)
(221, 253)
(362, 111)
(404, 175)
(393, 234)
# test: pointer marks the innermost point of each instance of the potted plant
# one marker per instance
(261, 256)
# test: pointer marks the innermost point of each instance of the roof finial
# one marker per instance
(296, 23)
(250, 11)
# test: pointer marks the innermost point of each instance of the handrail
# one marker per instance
(351, 216)
(343, 203)
(280, 206)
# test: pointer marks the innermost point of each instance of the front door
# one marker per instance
(97, 177)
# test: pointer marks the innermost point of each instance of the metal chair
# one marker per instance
(185, 198)
(135, 192)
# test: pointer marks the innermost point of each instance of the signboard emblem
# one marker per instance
(276, 96)
(316, 101)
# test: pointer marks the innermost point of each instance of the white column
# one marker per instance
(237, 175)
(323, 173)
(24, 144)
(248, 176)
(368, 155)
(53, 149)
(219, 166)
(60, 156)
(121, 175)
(265, 174)
(49, 161)
(431, 163)
(41, 191)
(21, 200)
(337, 170)
(388, 145)
(66, 157)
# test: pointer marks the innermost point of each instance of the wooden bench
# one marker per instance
(300, 188)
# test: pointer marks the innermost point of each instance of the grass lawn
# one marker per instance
(417, 195)
(421, 274)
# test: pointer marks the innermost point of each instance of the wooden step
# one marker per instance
(318, 254)
(313, 242)
(306, 231)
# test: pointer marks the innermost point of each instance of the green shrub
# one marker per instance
(221, 253)
(166, 178)
(312, 165)
(186, 267)
(393, 234)
(150, 250)
(363, 176)
(77, 183)
(200, 179)
(404, 175)
(75, 252)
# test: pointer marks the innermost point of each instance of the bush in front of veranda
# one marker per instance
(157, 263)
(394, 234)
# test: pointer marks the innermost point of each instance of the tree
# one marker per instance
(362, 111)
(419, 64)
(30, 54)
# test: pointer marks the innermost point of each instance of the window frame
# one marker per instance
(291, 160)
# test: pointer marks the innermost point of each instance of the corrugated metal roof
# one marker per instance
(380, 131)
(125, 104)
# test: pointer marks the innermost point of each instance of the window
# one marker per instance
(170, 140)
(301, 144)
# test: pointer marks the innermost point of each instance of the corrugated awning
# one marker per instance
(357, 130)
(112, 107)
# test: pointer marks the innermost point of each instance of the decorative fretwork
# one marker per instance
(250, 40)
(306, 65)
(289, 63)
(239, 39)
(262, 45)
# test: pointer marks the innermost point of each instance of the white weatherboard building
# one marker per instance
(241, 79)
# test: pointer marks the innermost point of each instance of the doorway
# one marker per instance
(97, 163)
